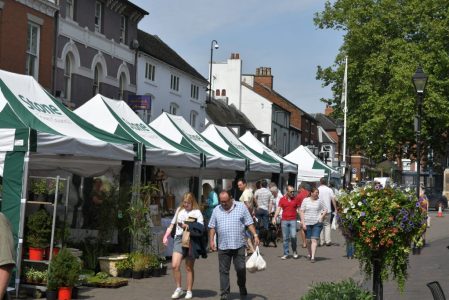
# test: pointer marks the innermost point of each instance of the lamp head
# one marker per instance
(216, 46)
(419, 80)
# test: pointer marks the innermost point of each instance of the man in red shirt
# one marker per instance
(304, 192)
(289, 207)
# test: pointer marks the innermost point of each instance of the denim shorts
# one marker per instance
(313, 231)
(177, 244)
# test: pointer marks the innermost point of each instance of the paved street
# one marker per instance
(291, 278)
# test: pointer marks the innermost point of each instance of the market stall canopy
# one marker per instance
(217, 160)
(116, 117)
(52, 128)
(224, 138)
(257, 146)
(310, 165)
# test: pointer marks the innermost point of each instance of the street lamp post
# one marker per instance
(213, 45)
(339, 130)
(419, 81)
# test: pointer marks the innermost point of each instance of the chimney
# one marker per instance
(235, 56)
(263, 76)
(328, 110)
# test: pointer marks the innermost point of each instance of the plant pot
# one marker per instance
(55, 252)
(146, 273)
(127, 273)
(65, 293)
(157, 272)
(137, 274)
(75, 291)
(164, 270)
(36, 253)
(51, 295)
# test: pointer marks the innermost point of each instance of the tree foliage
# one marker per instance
(386, 40)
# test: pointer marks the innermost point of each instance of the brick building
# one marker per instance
(27, 35)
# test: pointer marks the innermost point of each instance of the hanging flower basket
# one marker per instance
(382, 223)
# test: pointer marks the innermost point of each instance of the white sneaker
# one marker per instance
(177, 293)
(188, 295)
(284, 257)
(295, 255)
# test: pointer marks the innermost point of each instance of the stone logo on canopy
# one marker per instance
(43, 108)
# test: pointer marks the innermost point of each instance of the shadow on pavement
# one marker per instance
(204, 293)
(235, 296)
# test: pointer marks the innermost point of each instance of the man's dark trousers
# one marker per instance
(224, 264)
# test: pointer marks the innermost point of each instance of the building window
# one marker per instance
(285, 144)
(217, 92)
(174, 83)
(121, 87)
(32, 59)
(194, 91)
(275, 138)
(69, 7)
(123, 29)
(174, 108)
(68, 78)
(150, 71)
(96, 85)
(223, 92)
(193, 118)
(98, 11)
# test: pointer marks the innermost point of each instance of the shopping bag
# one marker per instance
(428, 221)
(185, 238)
(251, 262)
(334, 224)
(261, 264)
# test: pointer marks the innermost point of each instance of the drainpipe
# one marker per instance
(55, 54)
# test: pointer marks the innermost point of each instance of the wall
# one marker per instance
(14, 18)
(257, 109)
(162, 96)
(228, 76)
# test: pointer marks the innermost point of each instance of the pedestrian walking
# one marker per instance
(228, 221)
(327, 196)
(188, 211)
(303, 193)
(263, 202)
(289, 207)
(7, 261)
(248, 199)
(312, 212)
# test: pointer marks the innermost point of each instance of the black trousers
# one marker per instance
(224, 265)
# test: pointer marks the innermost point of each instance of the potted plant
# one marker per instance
(138, 265)
(347, 289)
(124, 268)
(64, 273)
(38, 233)
(39, 188)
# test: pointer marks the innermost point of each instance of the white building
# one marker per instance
(229, 83)
(174, 86)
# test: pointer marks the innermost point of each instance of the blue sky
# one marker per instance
(278, 34)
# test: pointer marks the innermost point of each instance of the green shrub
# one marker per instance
(344, 290)
(64, 270)
(39, 229)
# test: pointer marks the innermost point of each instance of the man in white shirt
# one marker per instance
(327, 196)
(263, 200)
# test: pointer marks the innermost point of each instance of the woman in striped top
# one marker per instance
(312, 212)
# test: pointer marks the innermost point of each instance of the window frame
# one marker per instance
(123, 29)
(68, 78)
(96, 83)
(121, 86)
(193, 118)
(150, 71)
(32, 53)
(69, 9)
(174, 83)
(174, 108)
(194, 91)
(98, 22)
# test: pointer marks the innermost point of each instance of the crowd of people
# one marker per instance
(235, 227)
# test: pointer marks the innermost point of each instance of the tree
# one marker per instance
(385, 42)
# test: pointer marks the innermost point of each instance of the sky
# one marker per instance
(278, 34)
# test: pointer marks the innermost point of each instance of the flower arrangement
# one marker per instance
(382, 223)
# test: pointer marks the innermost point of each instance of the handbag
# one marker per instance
(334, 225)
(173, 229)
(185, 238)
(256, 262)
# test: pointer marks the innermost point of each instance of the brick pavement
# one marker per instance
(292, 278)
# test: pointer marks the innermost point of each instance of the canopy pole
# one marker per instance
(23, 201)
